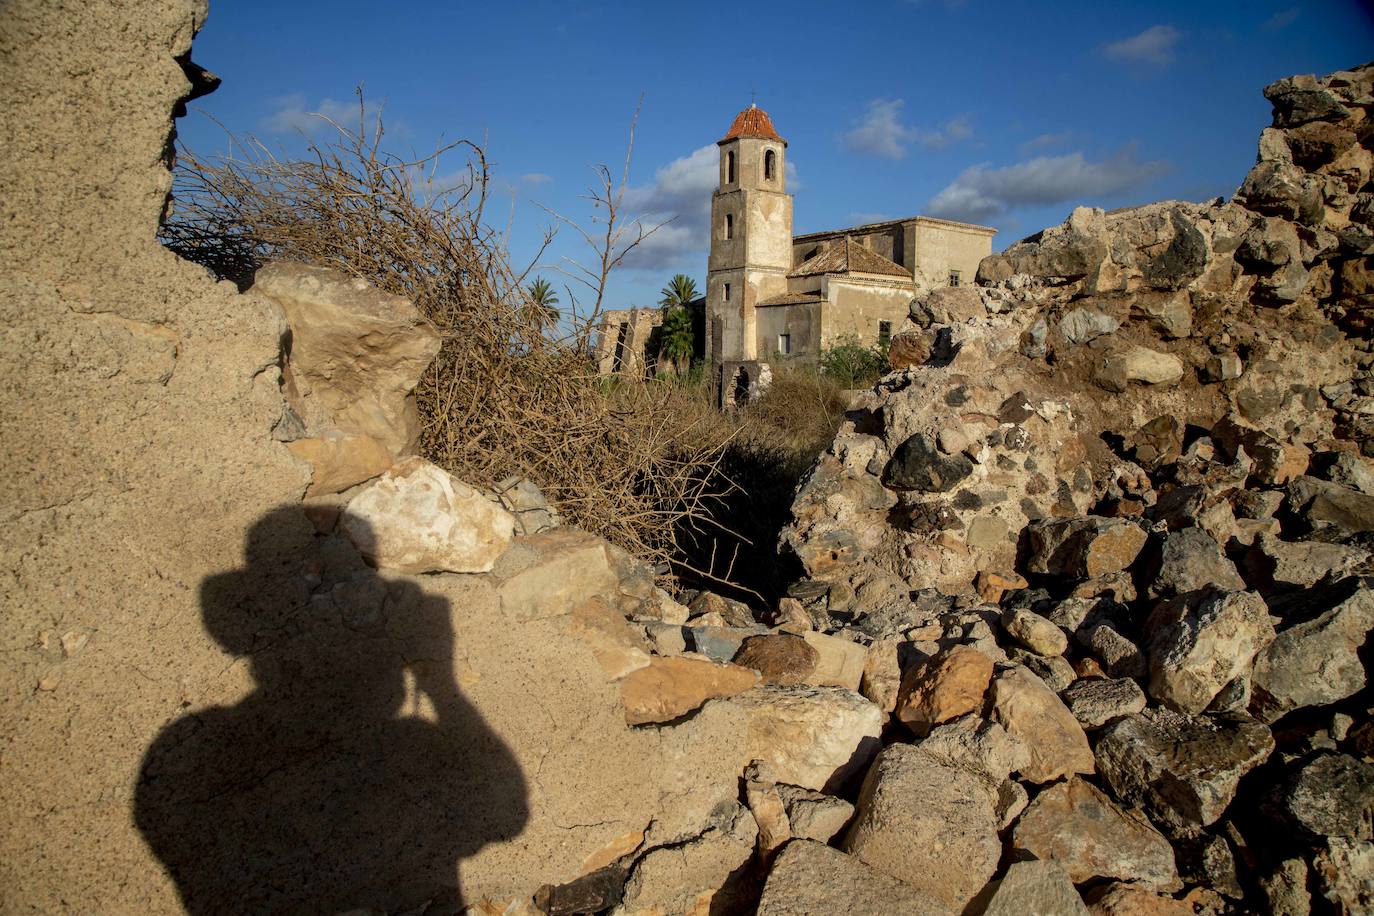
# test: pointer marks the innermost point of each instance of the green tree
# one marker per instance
(675, 337)
(543, 301)
(679, 293)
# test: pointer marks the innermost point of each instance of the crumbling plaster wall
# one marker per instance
(136, 407)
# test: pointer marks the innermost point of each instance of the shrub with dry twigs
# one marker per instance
(631, 461)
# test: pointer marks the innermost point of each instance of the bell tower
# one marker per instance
(751, 236)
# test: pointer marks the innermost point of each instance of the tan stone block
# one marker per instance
(1030, 711)
(839, 662)
(416, 518)
(340, 461)
(943, 687)
(669, 688)
(882, 678)
(618, 645)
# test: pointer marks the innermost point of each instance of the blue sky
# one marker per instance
(1005, 113)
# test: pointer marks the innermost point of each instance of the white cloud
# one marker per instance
(880, 131)
(981, 193)
(1047, 141)
(681, 192)
(535, 178)
(1153, 46)
(1283, 19)
(290, 115)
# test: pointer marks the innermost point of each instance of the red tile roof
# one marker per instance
(752, 122)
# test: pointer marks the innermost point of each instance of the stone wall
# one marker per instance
(627, 341)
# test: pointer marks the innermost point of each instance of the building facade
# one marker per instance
(772, 296)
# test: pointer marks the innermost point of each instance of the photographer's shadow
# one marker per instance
(355, 776)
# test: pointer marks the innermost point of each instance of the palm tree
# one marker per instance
(676, 340)
(679, 293)
(543, 301)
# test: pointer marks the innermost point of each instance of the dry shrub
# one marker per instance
(630, 461)
(801, 411)
(780, 436)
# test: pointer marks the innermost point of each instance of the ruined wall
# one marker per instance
(627, 340)
(138, 402)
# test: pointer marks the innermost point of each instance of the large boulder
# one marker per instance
(1036, 887)
(810, 878)
(1030, 711)
(1075, 824)
(928, 824)
(1345, 874)
(1096, 701)
(418, 519)
(670, 688)
(1331, 795)
(945, 686)
(819, 738)
(1315, 662)
(355, 353)
(1183, 770)
(702, 874)
(1202, 641)
(1189, 560)
(1084, 546)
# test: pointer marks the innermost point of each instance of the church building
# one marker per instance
(772, 296)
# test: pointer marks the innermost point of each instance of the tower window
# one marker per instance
(884, 333)
(729, 168)
(727, 292)
(954, 278)
(785, 344)
(730, 227)
(769, 165)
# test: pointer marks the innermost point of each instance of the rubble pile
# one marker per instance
(1105, 537)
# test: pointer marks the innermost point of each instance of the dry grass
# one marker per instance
(632, 462)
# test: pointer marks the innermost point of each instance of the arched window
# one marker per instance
(729, 225)
(770, 160)
(729, 168)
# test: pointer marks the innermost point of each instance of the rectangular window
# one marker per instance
(954, 278)
(785, 344)
(729, 225)
(884, 333)
(727, 292)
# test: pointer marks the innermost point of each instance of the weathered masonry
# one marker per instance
(772, 296)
